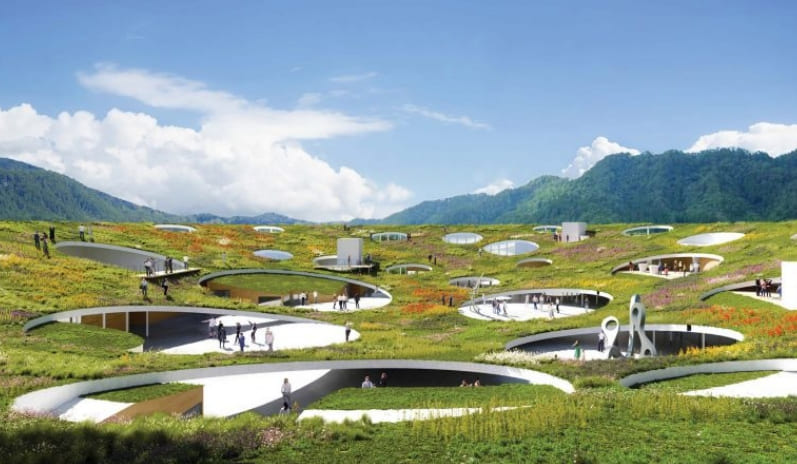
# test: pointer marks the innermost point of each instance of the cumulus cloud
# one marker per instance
(351, 78)
(437, 116)
(245, 158)
(495, 187)
(586, 157)
(774, 139)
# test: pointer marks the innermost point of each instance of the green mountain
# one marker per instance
(28, 192)
(711, 186)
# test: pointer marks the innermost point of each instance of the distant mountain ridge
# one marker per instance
(711, 186)
(31, 193)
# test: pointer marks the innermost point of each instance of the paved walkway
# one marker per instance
(365, 303)
(287, 335)
(779, 385)
(520, 312)
(774, 299)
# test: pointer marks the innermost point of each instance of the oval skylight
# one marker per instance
(647, 230)
(462, 238)
(713, 238)
(511, 247)
(277, 255)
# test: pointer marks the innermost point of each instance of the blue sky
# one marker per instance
(372, 106)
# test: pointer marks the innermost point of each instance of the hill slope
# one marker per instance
(29, 192)
(716, 185)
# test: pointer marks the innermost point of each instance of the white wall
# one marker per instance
(573, 231)
(350, 251)
(788, 275)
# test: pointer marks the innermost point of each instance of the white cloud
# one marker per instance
(351, 78)
(309, 99)
(774, 139)
(462, 120)
(586, 157)
(495, 187)
(245, 158)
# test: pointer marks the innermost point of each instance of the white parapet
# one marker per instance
(788, 275)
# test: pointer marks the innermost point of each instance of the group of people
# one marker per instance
(341, 302)
(764, 287)
(450, 300)
(216, 328)
(367, 383)
(144, 287)
(40, 241)
(476, 383)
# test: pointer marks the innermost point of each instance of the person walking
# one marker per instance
(143, 286)
(601, 341)
(254, 330)
(237, 332)
(577, 350)
(315, 297)
(286, 395)
(357, 301)
(241, 341)
(165, 286)
(45, 248)
(221, 333)
(36, 240)
(348, 330)
(81, 230)
(269, 339)
(52, 234)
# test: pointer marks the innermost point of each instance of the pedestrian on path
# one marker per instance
(221, 333)
(143, 286)
(165, 286)
(45, 248)
(254, 330)
(241, 342)
(286, 395)
(270, 340)
(348, 330)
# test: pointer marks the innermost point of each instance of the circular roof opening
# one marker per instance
(388, 236)
(534, 262)
(647, 230)
(276, 255)
(462, 238)
(408, 268)
(269, 229)
(174, 228)
(713, 238)
(511, 247)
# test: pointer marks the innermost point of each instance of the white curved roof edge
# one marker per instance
(547, 291)
(48, 399)
(270, 229)
(175, 226)
(323, 257)
(710, 238)
(706, 329)
(535, 260)
(388, 233)
(400, 266)
(671, 255)
(493, 280)
(546, 227)
(65, 315)
(710, 368)
(655, 226)
(733, 287)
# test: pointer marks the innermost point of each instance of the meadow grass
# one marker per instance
(597, 424)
